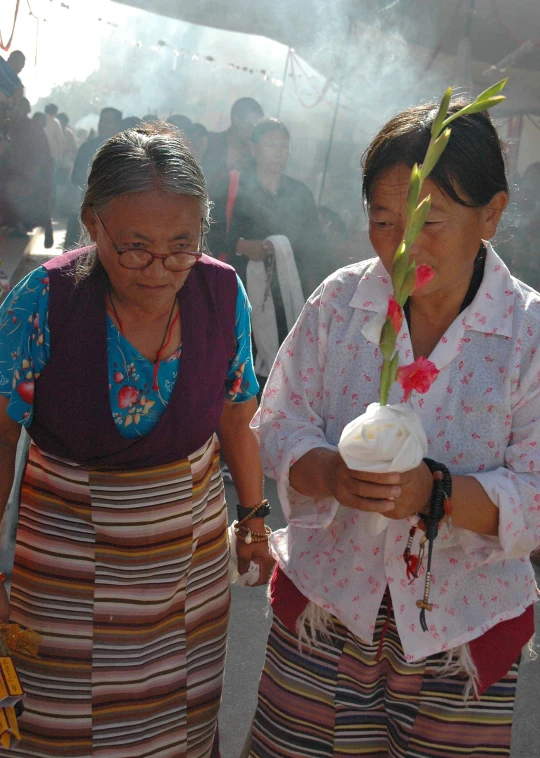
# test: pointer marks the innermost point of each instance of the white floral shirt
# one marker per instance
(481, 417)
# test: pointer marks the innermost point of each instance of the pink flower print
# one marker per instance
(295, 398)
(118, 376)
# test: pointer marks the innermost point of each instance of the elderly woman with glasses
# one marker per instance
(124, 360)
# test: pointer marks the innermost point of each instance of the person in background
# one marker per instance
(63, 173)
(269, 202)
(400, 665)
(26, 186)
(110, 123)
(198, 139)
(181, 122)
(11, 91)
(54, 134)
(41, 120)
(231, 149)
(130, 122)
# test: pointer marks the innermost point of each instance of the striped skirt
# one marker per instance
(348, 698)
(124, 574)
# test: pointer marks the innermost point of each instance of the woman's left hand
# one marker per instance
(257, 552)
(416, 488)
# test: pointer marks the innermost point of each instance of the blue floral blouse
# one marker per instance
(136, 407)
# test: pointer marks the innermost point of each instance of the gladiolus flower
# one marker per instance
(424, 274)
(417, 376)
(394, 313)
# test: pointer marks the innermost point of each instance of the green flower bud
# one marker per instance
(408, 284)
(441, 114)
(418, 221)
(415, 185)
(387, 342)
(434, 152)
(399, 266)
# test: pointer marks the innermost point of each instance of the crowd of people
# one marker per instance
(130, 362)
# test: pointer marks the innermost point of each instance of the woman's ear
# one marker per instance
(492, 213)
(90, 222)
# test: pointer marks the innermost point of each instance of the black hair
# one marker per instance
(471, 169)
(181, 122)
(51, 109)
(246, 106)
(267, 125)
(114, 112)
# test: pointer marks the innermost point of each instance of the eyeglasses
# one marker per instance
(138, 258)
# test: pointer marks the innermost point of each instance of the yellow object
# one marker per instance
(9, 730)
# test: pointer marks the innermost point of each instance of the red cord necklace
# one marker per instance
(166, 336)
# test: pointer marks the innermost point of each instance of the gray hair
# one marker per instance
(148, 157)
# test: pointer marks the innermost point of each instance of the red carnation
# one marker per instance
(424, 274)
(394, 313)
(127, 396)
(417, 376)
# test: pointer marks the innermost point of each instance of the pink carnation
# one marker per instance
(417, 376)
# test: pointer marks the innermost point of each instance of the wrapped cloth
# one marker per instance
(384, 439)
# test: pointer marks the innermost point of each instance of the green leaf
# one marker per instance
(387, 342)
(434, 152)
(477, 107)
(418, 221)
(415, 185)
(493, 90)
(437, 125)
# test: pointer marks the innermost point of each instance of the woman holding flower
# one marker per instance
(370, 678)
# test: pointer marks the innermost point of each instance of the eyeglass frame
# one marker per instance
(197, 254)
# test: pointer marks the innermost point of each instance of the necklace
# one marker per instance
(164, 342)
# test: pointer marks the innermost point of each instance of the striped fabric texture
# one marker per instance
(125, 577)
(348, 698)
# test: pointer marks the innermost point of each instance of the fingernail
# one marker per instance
(396, 491)
(387, 507)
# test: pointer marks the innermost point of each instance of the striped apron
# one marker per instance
(124, 574)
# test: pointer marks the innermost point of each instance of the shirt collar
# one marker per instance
(490, 312)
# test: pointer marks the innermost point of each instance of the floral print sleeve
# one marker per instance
(24, 343)
(241, 384)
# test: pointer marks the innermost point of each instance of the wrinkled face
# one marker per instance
(450, 238)
(272, 152)
(154, 221)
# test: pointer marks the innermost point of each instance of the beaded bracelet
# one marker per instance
(249, 536)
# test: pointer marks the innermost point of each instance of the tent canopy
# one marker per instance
(317, 29)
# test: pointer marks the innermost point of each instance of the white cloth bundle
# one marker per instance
(263, 316)
(251, 576)
(384, 439)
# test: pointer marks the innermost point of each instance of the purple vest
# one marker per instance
(72, 411)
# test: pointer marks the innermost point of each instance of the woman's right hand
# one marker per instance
(361, 490)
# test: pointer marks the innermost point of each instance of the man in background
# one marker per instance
(230, 149)
(110, 123)
(54, 133)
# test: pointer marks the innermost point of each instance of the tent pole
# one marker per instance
(336, 111)
(284, 82)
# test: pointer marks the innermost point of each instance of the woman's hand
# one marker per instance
(257, 552)
(397, 496)
(255, 250)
